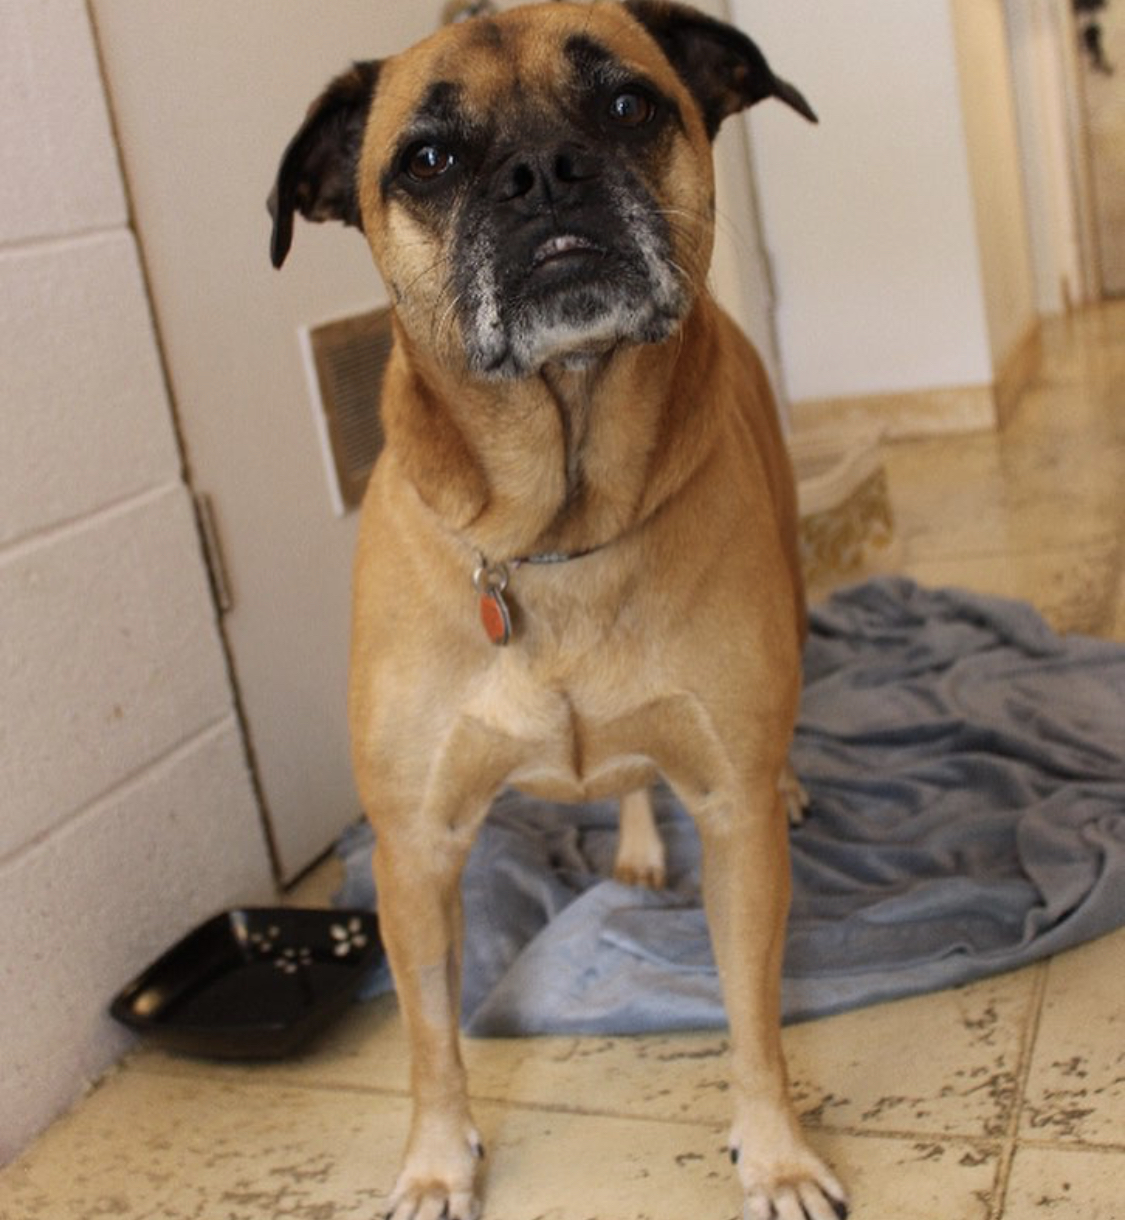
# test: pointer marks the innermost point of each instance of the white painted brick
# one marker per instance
(86, 910)
(83, 413)
(58, 164)
(109, 658)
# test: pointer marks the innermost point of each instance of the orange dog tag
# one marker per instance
(495, 617)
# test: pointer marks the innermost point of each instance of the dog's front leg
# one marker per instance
(746, 893)
(420, 914)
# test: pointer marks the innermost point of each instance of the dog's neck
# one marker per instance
(575, 392)
(562, 462)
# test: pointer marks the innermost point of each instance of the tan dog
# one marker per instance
(576, 565)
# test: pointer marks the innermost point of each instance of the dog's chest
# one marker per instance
(589, 741)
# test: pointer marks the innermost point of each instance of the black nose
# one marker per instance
(544, 177)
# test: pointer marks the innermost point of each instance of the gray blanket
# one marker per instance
(967, 774)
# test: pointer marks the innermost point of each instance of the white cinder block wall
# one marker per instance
(126, 809)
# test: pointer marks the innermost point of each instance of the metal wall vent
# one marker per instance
(347, 359)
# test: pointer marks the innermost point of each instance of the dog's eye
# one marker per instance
(428, 161)
(631, 108)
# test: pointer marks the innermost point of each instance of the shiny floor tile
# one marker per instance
(1062, 1184)
(1073, 589)
(1012, 496)
(916, 1179)
(1076, 1087)
(941, 1064)
(202, 1149)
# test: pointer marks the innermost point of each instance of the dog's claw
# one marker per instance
(433, 1207)
(794, 1203)
(759, 1208)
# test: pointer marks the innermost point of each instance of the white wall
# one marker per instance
(886, 280)
(869, 217)
(126, 810)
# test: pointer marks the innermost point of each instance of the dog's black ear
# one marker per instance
(721, 66)
(317, 175)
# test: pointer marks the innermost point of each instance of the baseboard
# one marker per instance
(933, 412)
(909, 414)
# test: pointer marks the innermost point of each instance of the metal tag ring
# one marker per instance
(490, 578)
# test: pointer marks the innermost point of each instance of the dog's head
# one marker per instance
(535, 187)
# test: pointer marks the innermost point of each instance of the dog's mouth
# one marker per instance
(554, 290)
(565, 247)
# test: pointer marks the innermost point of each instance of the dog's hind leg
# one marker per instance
(640, 849)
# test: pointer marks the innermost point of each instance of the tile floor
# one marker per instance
(1004, 1099)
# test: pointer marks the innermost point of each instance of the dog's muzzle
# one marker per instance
(564, 256)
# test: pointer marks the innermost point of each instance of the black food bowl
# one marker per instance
(253, 983)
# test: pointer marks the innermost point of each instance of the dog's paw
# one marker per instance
(439, 1179)
(787, 1182)
(640, 850)
(647, 873)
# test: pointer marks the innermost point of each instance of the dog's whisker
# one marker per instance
(446, 322)
(425, 274)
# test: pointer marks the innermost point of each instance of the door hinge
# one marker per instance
(213, 553)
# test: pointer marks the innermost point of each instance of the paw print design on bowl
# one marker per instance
(350, 937)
